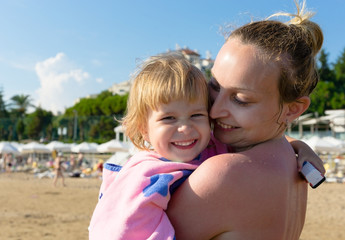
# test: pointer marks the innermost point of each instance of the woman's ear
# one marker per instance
(297, 108)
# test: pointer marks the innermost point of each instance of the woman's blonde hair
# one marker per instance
(293, 45)
(160, 80)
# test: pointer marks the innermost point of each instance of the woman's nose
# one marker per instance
(218, 108)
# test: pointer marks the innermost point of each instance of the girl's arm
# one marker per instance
(305, 153)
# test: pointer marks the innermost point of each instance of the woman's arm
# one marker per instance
(305, 153)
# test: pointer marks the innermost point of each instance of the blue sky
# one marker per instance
(59, 50)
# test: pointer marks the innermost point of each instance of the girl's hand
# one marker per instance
(305, 153)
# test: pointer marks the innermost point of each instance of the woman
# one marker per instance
(262, 78)
(58, 169)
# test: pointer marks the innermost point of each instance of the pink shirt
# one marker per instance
(133, 201)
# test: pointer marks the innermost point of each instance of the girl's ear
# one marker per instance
(146, 137)
(144, 133)
(297, 108)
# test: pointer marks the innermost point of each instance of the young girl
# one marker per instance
(167, 118)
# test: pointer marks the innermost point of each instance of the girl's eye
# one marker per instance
(213, 84)
(198, 115)
(168, 118)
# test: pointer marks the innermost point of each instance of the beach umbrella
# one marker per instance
(94, 145)
(323, 144)
(112, 146)
(85, 147)
(339, 144)
(71, 145)
(35, 147)
(58, 146)
(17, 145)
(6, 147)
(119, 158)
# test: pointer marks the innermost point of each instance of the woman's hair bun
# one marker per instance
(301, 19)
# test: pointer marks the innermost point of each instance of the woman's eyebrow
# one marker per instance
(245, 89)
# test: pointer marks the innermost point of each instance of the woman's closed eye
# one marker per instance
(239, 101)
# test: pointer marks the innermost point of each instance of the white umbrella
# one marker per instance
(112, 146)
(84, 147)
(6, 147)
(339, 144)
(35, 147)
(58, 146)
(322, 144)
(17, 145)
(119, 158)
(71, 145)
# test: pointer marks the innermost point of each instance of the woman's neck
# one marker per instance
(246, 148)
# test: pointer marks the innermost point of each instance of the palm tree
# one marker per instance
(3, 105)
(20, 104)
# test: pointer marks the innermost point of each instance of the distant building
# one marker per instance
(333, 120)
(192, 56)
(88, 96)
(120, 88)
(195, 58)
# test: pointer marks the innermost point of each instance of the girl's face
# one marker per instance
(245, 96)
(179, 130)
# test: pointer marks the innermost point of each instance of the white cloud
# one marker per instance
(96, 62)
(99, 80)
(61, 83)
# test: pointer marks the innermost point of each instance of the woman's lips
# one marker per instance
(225, 126)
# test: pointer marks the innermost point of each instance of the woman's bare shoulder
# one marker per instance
(232, 190)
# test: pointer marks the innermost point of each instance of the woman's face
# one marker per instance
(245, 96)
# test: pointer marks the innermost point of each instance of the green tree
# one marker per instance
(107, 125)
(20, 104)
(339, 82)
(338, 101)
(95, 116)
(38, 123)
(208, 74)
(3, 111)
(107, 106)
(115, 104)
(320, 97)
(5, 123)
(325, 72)
(85, 107)
(20, 129)
(102, 103)
(329, 93)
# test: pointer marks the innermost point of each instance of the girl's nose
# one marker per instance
(184, 127)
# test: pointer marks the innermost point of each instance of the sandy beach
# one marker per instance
(31, 208)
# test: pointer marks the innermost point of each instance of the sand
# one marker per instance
(31, 208)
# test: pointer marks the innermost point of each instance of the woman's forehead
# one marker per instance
(240, 67)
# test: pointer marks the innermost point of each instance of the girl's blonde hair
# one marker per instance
(161, 79)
